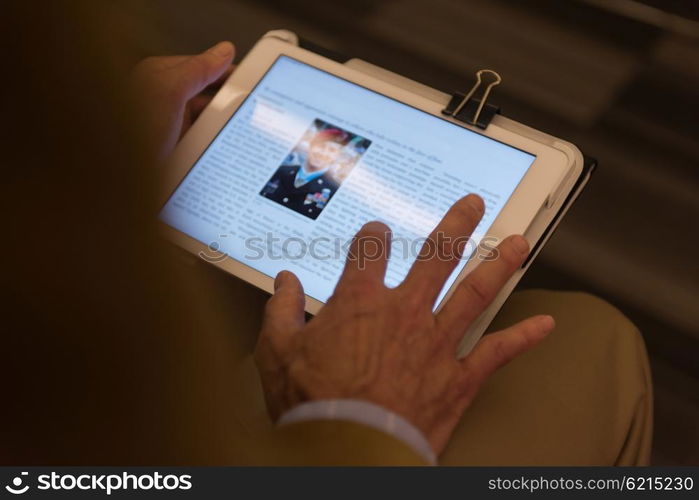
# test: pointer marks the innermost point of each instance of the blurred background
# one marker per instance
(620, 78)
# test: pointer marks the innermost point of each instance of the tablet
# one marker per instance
(298, 151)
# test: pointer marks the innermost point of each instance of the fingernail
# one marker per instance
(547, 323)
(222, 49)
(520, 244)
(279, 280)
(475, 202)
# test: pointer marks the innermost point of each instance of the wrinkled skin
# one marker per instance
(386, 346)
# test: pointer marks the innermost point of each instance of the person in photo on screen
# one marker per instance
(313, 171)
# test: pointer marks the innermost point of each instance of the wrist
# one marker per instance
(365, 413)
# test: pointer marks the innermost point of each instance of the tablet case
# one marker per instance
(555, 207)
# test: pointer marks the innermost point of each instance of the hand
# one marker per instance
(386, 346)
(170, 90)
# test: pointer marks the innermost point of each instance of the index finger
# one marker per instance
(367, 257)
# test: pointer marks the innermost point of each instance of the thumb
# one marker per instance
(284, 313)
(197, 72)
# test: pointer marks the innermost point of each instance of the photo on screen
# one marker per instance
(315, 168)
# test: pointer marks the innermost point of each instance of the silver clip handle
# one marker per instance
(488, 88)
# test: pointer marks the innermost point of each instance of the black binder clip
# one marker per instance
(470, 109)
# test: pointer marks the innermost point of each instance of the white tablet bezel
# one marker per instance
(548, 171)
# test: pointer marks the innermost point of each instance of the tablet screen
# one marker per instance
(308, 158)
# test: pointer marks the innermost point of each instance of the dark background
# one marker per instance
(620, 78)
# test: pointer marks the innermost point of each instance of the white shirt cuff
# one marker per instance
(362, 412)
